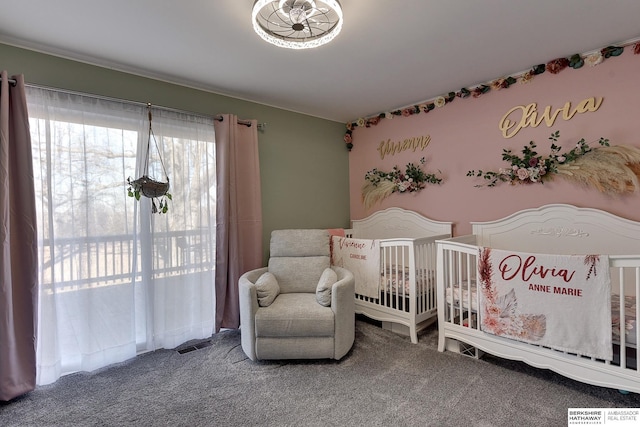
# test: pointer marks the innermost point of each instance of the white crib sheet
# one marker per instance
(464, 289)
(396, 279)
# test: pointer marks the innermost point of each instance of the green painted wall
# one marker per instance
(303, 160)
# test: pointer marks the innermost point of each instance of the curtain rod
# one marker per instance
(261, 126)
(12, 82)
(247, 123)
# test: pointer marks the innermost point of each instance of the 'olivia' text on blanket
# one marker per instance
(513, 265)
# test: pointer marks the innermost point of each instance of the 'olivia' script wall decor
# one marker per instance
(529, 115)
(414, 143)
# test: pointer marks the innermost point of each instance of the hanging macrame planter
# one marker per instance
(157, 191)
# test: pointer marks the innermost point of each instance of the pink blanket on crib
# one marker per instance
(362, 258)
(558, 301)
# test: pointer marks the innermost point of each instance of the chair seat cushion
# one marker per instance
(295, 315)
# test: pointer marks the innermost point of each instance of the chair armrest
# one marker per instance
(343, 306)
(248, 299)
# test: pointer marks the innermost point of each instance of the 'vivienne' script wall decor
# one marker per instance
(529, 115)
(414, 143)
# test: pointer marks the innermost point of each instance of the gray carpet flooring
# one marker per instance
(384, 381)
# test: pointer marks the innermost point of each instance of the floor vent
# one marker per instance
(198, 346)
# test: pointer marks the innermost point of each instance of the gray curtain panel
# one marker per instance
(18, 244)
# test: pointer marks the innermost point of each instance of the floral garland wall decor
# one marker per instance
(555, 66)
(609, 169)
(380, 185)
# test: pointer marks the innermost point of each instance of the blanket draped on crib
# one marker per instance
(362, 258)
(559, 301)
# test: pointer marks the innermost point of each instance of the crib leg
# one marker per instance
(441, 342)
(414, 334)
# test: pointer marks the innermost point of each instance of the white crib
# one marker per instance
(407, 291)
(551, 229)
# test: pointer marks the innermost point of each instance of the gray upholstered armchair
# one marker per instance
(299, 307)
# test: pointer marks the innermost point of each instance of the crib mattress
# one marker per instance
(629, 310)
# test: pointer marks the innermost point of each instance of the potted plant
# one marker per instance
(157, 191)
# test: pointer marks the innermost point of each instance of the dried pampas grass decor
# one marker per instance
(374, 193)
(613, 170)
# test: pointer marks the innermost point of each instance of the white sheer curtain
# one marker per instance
(115, 279)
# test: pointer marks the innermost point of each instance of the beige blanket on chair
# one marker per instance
(558, 301)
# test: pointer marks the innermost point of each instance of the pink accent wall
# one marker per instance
(465, 135)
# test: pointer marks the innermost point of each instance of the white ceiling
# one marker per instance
(390, 54)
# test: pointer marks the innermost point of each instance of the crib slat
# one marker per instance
(385, 278)
(431, 276)
(460, 282)
(637, 270)
(419, 285)
(421, 280)
(623, 320)
(469, 293)
(396, 275)
(449, 282)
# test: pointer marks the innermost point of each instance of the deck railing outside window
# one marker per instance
(73, 264)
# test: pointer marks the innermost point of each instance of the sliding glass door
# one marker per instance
(115, 278)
